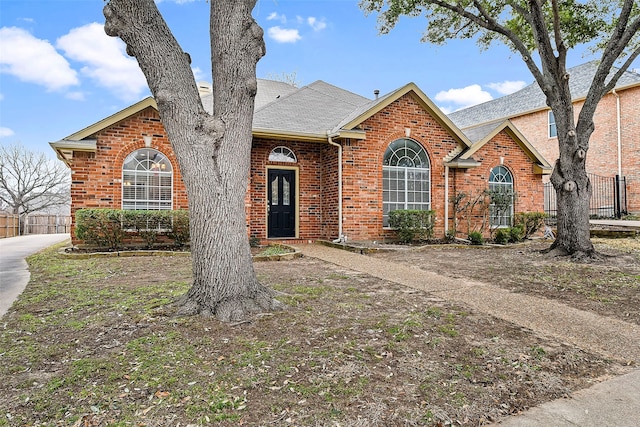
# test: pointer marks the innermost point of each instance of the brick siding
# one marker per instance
(97, 177)
(602, 157)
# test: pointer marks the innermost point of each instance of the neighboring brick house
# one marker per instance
(613, 150)
(325, 162)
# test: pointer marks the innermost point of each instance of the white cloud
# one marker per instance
(273, 16)
(1, 96)
(105, 60)
(4, 132)
(198, 74)
(34, 60)
(75, 96)
(284, 35)
(315, 24)
(463, 98)
(506, 87)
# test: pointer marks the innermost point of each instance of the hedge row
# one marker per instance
(109, 228)
(412, 225)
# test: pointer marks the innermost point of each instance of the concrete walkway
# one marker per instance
(14, 273)
(616, 223)
(606, 336)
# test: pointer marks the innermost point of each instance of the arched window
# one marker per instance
(406, 178)
(502, 195)
(147, 181)
(282, 154)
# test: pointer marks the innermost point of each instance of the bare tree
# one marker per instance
(288, 78)
(548, 28)
(213, 151)
(31, 182)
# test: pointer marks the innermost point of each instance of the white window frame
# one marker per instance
(283, 154)
(506, 219)
(400, 159)
(145, 169)
(552, 128)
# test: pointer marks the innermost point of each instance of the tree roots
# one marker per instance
(559, 251)
(238, 309)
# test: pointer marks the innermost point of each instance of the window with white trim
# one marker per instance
(553, 130)
(406, 178)
(282, 154)
(502, 195)
(147, 181)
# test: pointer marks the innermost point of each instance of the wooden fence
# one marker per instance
(11, 225)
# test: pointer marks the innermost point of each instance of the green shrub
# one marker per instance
(254, 241)
(509, 235)
(149, 225)
(107, 228)
(516, 234)
(502, 236)
(412, 225)
(179, 229)
(530, 222)
(476, 238)
(101, 227)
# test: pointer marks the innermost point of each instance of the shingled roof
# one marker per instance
(312, 113)
(531, 98)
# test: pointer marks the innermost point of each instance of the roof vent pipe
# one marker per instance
(376, 92)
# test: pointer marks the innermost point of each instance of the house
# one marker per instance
(614, 147)
(326, 163)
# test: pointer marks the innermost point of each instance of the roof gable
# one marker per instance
(365, 111)
(113, 119)
(490, 130)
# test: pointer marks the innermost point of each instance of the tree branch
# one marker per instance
(486, 21)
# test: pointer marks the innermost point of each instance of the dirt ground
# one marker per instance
(95, 342)
(609, 287)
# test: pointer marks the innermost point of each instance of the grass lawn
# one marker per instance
(95, 342)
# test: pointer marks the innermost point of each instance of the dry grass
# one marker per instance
(95, 343)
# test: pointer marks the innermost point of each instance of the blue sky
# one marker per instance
(59, 72)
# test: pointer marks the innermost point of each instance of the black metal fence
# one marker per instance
(608, 198)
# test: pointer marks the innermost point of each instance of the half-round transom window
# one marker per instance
(147, 181)
(282, 154)
(406, 153)
(406, 178)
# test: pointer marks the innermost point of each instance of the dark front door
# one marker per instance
(281, 194)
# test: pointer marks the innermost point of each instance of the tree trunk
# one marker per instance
(573, 189)
(213, 151)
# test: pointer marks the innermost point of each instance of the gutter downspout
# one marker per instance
(619, 132)
(341, 238)
(446, 200)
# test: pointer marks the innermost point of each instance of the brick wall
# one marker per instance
(362, 206)
(310, 181)
(527, 185)
(602, 158)
(97, 177)
(363, 168)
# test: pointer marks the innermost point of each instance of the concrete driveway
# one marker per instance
(14, 274)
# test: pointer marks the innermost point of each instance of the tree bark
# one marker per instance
(213, 151)
(569, 177)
